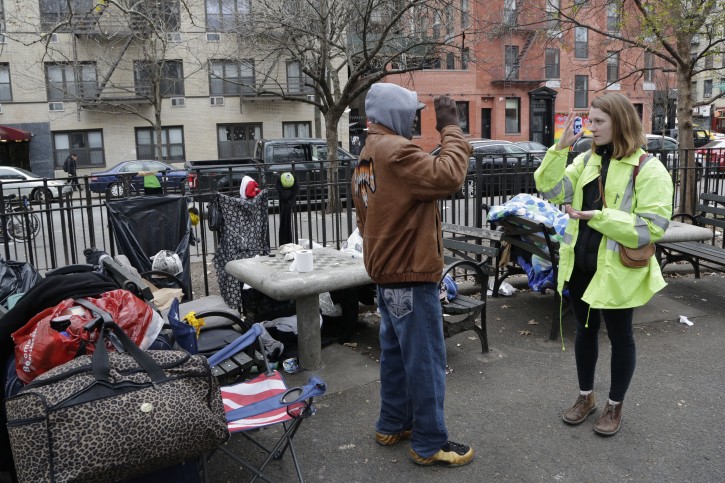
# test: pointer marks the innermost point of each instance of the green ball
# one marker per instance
(287, 179)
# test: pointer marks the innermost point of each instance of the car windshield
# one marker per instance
(27, 173)
(513, 149)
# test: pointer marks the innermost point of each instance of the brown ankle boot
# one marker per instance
(582, 408)
(610, 421)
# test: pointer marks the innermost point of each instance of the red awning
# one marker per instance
(10, 134)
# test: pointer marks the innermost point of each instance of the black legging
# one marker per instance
(586, 345)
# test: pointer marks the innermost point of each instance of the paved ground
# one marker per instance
(507, 403)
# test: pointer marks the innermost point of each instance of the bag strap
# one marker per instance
(100, 362)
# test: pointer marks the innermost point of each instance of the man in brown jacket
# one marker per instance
(395, 188)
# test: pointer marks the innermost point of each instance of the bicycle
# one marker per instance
(21, 224)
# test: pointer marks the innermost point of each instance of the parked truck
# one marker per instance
(306, 158)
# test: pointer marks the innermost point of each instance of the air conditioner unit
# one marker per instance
(55, 106)
(213, 37)
(174, 36)
(178, 101)
(53, 38)
(216, 101)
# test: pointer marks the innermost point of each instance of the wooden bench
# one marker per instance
(474, 250)
(526, 238)
(712, 215)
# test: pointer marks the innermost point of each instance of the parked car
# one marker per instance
(656, 144)
(21, 183)
(124, 176)
(533, 147)
(496, 155)
(664, 147)
(700, 137)
(712, 156)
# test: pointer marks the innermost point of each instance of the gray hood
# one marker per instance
(393, 107)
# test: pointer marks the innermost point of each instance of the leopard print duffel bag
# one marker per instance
(109, 417)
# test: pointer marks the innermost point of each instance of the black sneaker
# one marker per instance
(451, 454)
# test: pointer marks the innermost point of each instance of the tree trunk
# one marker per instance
(333, 192)
(687, 177)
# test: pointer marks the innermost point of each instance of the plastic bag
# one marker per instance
(56, 335)
(15, 278)
(184, 333)
(216, 220)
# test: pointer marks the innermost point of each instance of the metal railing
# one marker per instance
(69, 224)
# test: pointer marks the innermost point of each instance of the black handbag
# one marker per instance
(108, 417)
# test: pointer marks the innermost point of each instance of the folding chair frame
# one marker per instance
(298, 402)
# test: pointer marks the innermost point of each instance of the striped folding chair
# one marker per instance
(265, 401)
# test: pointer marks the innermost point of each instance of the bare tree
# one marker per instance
(341, 48)
(686, 36)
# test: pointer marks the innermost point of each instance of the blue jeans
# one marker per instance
(412, 365)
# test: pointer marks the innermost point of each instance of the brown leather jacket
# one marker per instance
(395, 188)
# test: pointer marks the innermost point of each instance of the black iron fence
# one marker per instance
(53, 231)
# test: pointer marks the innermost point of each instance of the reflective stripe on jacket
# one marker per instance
(634, 217)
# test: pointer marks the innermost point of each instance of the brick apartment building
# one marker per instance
(524, 73)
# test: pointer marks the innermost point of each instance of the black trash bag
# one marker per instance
(16, 277)
(215, 218)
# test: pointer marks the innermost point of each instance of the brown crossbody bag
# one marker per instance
(632, 257)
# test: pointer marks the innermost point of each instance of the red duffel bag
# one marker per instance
(57, 335)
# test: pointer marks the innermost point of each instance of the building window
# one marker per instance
(552, 63)
(171, 73)
(552, 14)
(226, 15)
(707, 89)
(88, 145)
(297, 129)
(511, 61)
(450, 61)
(69, 82)
(163, 15)
(226, 78)
(649, 64)
(581, 43)
(237, 140)
(581, 91)
(509, 13)
(722, 84)
(296, 79)
(639, 107)
(55, 12)
(612, 67)
(513, 115)
(463, 115)
(709, 62)
(465, 15)
(465, 58)
(2, 19)
(172, 143)
(580, 3)
(613, 16)
(6, 92)
(693, 86)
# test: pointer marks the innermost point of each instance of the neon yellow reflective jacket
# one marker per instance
(633, 217)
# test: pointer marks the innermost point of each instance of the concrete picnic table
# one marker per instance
(680, 232)
(332, 270)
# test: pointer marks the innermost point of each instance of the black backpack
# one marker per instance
(66, 165)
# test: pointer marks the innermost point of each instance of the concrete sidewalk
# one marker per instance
(507, 404)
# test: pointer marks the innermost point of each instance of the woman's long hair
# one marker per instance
(627, 133)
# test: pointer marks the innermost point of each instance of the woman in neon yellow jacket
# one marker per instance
(637, 191)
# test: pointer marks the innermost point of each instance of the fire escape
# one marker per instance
(514, 26)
